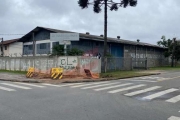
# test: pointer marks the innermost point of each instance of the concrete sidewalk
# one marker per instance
(16, 78)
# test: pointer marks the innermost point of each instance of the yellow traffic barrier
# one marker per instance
(30, 72)
(56, 73)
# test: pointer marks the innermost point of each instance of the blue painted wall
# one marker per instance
(117, 50)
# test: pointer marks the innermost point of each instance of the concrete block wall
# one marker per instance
(44, 64)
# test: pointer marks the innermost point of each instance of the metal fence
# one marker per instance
(139, 63)
(121, 63)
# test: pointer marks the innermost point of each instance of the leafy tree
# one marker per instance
(107, 3)
(177, 51)
(75, 52)
(164, 42)
(167, 44)
(58, 50)
(173, 48)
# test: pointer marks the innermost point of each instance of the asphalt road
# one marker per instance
(144, 98)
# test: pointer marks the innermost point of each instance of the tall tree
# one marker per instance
(107, 3)
(173, 48)
(59, 51)
(164, 43)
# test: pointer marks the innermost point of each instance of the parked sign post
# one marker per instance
(64, 39)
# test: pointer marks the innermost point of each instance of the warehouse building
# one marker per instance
(90, 44)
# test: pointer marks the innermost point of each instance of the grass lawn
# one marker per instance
(14, 72)
(166, 68)
(123, 74)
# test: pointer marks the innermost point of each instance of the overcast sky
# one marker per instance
(148, 21)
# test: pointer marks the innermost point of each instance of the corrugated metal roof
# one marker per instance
(10, 41)
(95, 37)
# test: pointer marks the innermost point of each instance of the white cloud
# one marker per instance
(148, 21)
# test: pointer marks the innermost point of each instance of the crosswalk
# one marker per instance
(128, 89)
(174, 99)
(143, 91)
(16, 86)
(6, 89)
(28, 84)
(174, 118)
(158, 94)
(113, 86)
(150, 79)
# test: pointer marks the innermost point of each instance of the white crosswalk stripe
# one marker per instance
(142, 91)
(174, 118)
(149, 78)
(28, 84)
(139, 80)
(83, 85)
(64, 85)
(50, 85)
(150, 97)
(16, 86)
(114, 86)
(127, 88)
(99, 85)
(6, 89)
(174, 99)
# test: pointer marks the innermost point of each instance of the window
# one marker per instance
(30, 47)
(43, 46)
(55, 43)
(5, 47)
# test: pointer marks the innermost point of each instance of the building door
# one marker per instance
(116, 50)
(116, 62)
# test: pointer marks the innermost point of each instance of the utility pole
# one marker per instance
(34, 45)
(2, 50)
(174, 45)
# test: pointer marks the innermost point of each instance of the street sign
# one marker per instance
(65, 42)
(64, 39)
(64, 36)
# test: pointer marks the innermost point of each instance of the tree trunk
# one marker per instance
(105, 36)
(172, 62)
